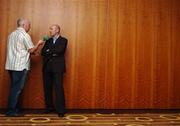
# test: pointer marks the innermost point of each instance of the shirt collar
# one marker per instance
(20, 28)
(56, 37)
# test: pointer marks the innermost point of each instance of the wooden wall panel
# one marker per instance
(175, 55)
(163, 52)
(143, 53)
(121, 54)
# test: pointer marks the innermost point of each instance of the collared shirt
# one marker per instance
(18, 57)
(55, 38)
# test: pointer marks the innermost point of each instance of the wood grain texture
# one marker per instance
(121, 54)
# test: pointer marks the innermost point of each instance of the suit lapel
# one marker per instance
(51, 41)
(57, 40)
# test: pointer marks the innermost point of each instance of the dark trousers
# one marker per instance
(18, 79)
(54, 79)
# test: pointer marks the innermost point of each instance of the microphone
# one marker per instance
(45, 37)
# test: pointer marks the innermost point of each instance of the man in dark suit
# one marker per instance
(53, 69)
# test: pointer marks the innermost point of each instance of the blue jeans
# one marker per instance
(18, 79)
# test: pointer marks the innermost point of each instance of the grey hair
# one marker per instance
(21, 22)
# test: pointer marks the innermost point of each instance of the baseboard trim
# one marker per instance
(132, 111)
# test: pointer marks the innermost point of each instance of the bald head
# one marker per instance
(54, 30)
(24, 23)
(57, 27)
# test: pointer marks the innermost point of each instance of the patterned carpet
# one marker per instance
(93, 119)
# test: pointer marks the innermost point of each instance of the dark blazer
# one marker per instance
(53, 54)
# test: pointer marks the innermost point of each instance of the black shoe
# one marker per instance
(14, 115)
(48, 111)
(61, 114)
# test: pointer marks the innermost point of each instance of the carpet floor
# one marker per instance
(93, 119)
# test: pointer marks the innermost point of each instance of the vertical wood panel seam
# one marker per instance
(134, 62)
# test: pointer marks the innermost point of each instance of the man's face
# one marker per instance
(27, 26)
(53, 31)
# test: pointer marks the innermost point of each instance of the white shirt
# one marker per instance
(55, 38)
(18, 57)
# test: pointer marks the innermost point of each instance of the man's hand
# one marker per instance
(32, 50)
(40, 42)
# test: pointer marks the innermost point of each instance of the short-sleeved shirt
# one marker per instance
(18, 57)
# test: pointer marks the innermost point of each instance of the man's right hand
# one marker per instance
(40, 42)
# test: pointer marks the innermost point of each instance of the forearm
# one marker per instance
(32, 50)
(60, 50)
(35, 48)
